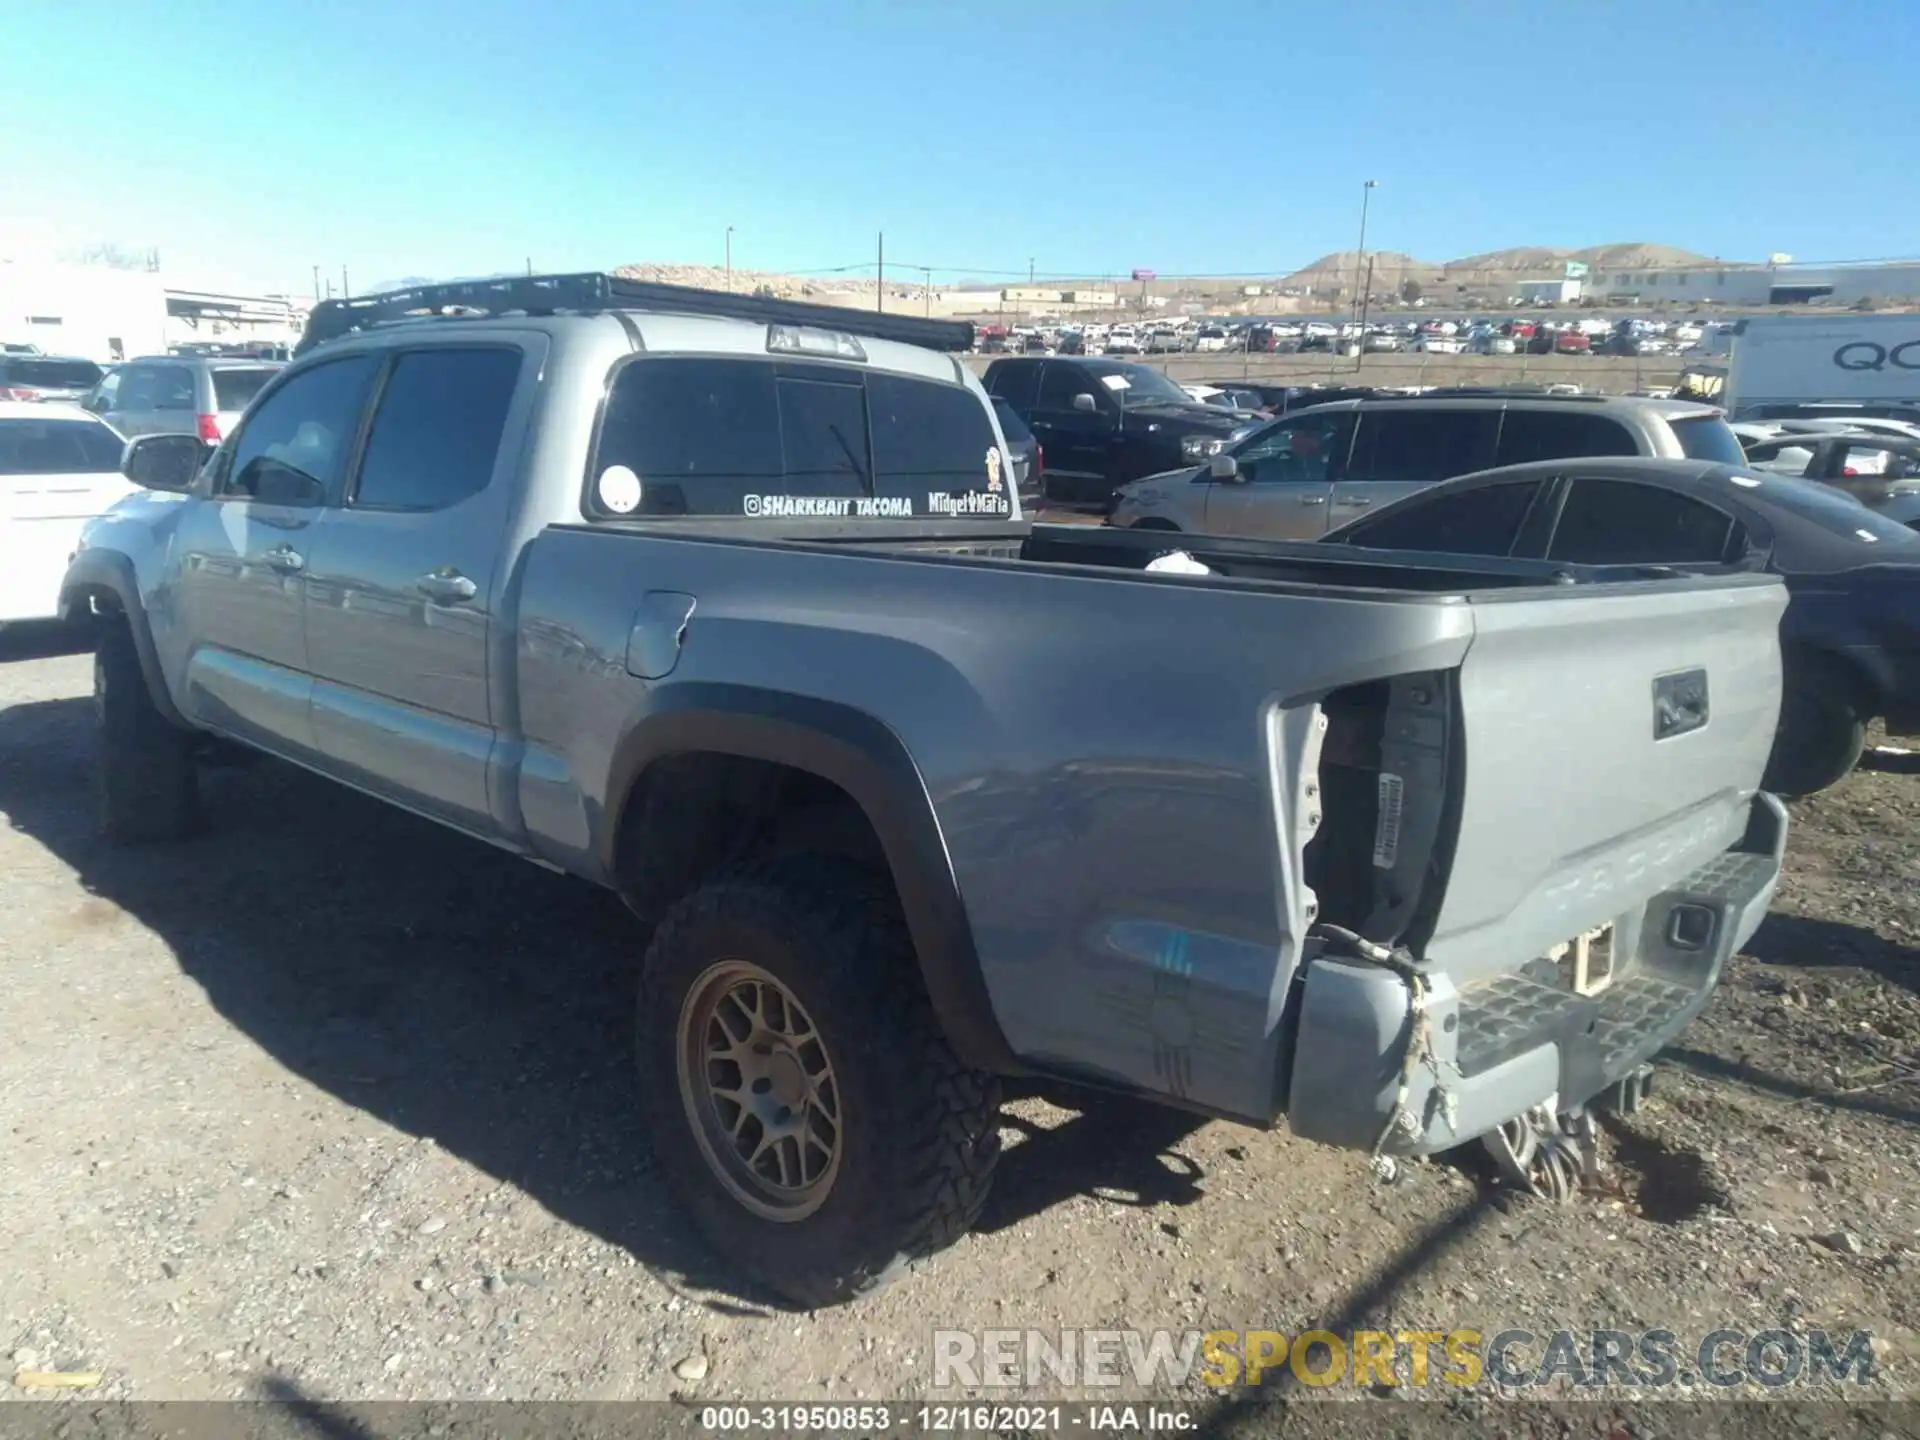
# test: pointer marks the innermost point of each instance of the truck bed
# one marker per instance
(1152, 788)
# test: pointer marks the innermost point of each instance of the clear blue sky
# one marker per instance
(444, 137)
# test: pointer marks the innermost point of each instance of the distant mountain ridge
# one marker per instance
(1390, 267)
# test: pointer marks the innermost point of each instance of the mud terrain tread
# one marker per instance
(935, 1121)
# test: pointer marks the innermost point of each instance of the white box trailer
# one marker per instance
(1794, 360)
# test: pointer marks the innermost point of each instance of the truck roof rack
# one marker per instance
(592, 293)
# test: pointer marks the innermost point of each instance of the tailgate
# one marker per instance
(1613, 738)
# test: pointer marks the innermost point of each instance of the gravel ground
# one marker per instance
(332, 1103)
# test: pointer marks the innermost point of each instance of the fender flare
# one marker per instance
(867, 760)
(112, 571)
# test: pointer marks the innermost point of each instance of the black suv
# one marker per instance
(1105, 422)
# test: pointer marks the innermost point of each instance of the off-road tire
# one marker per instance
(1819, 740)
(145, 783)
(920, 1129)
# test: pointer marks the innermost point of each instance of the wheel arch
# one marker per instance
(102, 582)
(861, 757)
(1802, 660)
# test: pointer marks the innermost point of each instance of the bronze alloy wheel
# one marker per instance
(759, 1091)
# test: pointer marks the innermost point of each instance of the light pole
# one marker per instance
(729, 259)
(1359, 267)
(1360, 255)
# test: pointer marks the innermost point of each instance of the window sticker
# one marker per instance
(620, 489)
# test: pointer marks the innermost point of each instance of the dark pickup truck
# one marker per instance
(726, 604)
(1105, 422)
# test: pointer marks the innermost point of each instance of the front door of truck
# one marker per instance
(405, 581)
(1080, 443)
(243, 551)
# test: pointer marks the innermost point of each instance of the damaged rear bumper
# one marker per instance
(1509, 1042)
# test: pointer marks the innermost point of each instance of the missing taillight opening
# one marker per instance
(1389, 777)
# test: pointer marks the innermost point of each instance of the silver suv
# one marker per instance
(1317, 468)
(179, 394)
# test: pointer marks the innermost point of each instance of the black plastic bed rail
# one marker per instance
(592, 293)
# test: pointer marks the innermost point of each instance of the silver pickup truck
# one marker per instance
(727, 604)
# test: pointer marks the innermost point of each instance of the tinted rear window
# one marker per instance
(1017, 382)
(1527, 435)
(1708, 437)
(1618, 522)
(57, 447)
(1483, 520)
(754, 438)
(50, 374)
(233, 389)
(1419, 446)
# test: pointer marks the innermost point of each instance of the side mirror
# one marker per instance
(1085, 403)
(163, 462)
(1224, 467)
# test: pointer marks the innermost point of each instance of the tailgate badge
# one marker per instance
(1679, 703)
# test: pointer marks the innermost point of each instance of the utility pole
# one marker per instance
(345, 292)
(529, 265)
(928, 269)
(1029, 270)
(880, 276)
(316, 283)
(729, 259)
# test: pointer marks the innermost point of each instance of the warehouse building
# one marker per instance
(1781, 283)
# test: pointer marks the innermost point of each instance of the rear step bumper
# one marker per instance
(1510, 1042)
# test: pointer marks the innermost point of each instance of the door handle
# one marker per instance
(1313, 499)
(446, 585)
(1357, 504)
(285, 559)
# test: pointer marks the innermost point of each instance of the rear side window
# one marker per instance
(233, 389)
(173, 389)
(1618, 522)
(1421, 446)
(1484, 520)
(753, 438)
(930, 439)
(57, 447)
(1527, 435)
(1791, 459)
(437, 431)
(1017, 384)
(1708, 437)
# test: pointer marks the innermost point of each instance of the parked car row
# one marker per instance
(1572, 335)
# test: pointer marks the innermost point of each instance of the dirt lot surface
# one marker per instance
(331, 1103)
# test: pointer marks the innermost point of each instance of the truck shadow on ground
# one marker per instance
(448, 989)
(41, 640)
(1810, 943)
